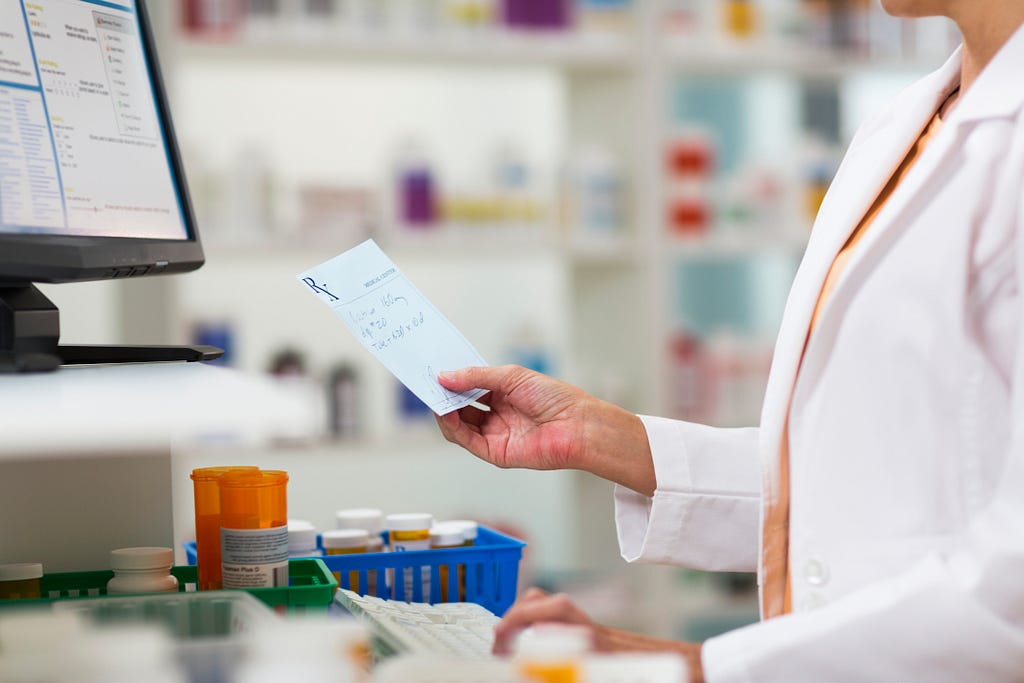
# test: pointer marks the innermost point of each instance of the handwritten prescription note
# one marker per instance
(392, 318)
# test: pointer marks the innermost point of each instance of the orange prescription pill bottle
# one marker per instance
(207, 504)
(254, 528)
(552, 653)
(346, 542)
(449, 536)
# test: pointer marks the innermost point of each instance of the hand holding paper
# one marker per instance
(392, 318)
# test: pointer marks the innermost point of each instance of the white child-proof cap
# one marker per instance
(409, 521)
(301, 535)
(469, 527)
(370, 519)
(21, 571)
(445, 534)
(547, 642)
(345, 538)
(141, 558)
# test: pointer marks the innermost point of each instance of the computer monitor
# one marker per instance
(91, 181)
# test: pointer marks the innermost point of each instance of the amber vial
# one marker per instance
(20, 580)
(346, 542)
(449, 536)
(552, 653)
(207, 504)
(254, 528)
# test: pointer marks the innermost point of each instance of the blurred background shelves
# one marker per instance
(583, 54)
(616, 192)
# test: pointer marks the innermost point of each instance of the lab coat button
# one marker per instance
(811, 601)
(815, 572)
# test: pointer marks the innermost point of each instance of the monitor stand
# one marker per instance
(30, 330)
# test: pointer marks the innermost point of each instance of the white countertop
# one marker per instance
(148, 407)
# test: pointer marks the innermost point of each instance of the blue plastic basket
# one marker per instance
(489, 574)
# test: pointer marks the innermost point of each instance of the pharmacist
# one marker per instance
(882, 498)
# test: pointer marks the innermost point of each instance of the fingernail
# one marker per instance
(446, 376)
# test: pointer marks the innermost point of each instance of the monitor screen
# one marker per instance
(83, 150)
(91, 181)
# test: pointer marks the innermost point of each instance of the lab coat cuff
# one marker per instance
(681, 524)
(633, 510)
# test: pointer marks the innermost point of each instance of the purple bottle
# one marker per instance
(417, 197)
(417, 192)
(537, 14)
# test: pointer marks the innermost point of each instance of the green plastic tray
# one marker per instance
(311, 587)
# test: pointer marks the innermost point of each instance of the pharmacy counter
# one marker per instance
(85, 452)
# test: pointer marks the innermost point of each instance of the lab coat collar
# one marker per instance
(999, 89)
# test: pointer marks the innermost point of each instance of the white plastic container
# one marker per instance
(370, 520)
(142, 570)
(302, 539)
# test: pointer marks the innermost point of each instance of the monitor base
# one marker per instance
(30, 328)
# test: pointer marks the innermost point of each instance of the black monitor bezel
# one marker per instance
(39, 257)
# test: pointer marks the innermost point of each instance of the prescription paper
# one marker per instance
(395, 322)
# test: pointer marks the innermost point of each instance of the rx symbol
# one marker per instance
(318, 288)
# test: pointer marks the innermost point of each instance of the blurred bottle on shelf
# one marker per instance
(537, 15)
(740, 19)
(469, 15)
(682, 18)
(719, 380)
(819, 168)
(690, 164)
(411, 410)
(218, 333)
(212, 17)
(604, 16)
(687, 387)
(361, 17)
(343, 402)
(412, 17)
(416, 199)
(836, 25)
(526, 347)
(263, 18)
(287, 362)
(514, 187)
(252, 195)
(595, 201)
(335, 214)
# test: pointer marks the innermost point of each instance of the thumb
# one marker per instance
(473, 378)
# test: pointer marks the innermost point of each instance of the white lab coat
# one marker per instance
(907, 422)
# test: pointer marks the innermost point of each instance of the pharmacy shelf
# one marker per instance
(742, 245)
(702, 58)
(456, 243)
(590, 53)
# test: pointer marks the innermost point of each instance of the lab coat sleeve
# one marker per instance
(956, 615)
(705, 512)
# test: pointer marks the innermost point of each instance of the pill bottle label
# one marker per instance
(254, 558)
(401, 547)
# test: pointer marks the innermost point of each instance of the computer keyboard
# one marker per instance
(461, 629)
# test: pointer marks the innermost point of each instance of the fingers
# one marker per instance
(534, 608)
(462, 432)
